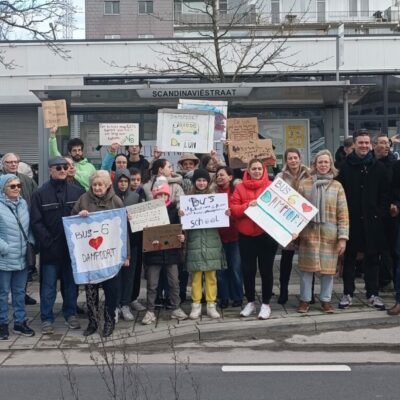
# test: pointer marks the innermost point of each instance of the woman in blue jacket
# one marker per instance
(14, 227)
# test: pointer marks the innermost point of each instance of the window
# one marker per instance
(112, 36)
(145, 36)
(353, 8)
(321, 10)
(111, 7)
(364, 8)
(275, 18)
(146, 7)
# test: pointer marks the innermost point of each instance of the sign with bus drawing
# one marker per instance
(189, 131)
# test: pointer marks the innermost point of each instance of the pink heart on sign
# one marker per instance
(96, 242)
(306, 207)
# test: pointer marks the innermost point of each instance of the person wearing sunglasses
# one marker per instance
(52, 201)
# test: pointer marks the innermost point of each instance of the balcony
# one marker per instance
(199, 19)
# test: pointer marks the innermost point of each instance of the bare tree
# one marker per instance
(34, 19)
(220, 55)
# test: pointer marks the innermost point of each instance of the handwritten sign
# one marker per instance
(97, 245)
(166, 237)
(123, 134)
(219, 108)
(185, 131)
(150, 213)
(54, 113)
(241, 152)
(281, 211)
(204, 211)
(242, 129)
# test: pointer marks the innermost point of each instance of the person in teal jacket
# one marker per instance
(14, 227)
(84, 169)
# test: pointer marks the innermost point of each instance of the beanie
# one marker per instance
(161, 189)
(201, 173)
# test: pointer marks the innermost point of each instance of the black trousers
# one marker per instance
(285, 269)
(258, 249)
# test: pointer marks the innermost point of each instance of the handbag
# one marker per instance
(30, 255)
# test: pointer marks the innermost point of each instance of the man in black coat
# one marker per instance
(52, 201)
(366, 185)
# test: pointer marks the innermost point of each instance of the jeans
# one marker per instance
(230, 281)
(48, 290)
(16, 281)
(306, 282)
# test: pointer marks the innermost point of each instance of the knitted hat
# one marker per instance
(161, 189)
(201, 173)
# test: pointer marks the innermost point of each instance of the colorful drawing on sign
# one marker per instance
(281, 212)
(97, 245)
(204, 211)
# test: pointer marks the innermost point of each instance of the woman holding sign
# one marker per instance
(324, 238)
(255, 245)
(293, 173)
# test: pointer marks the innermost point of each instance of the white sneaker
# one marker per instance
(212, 311)
(117, 314)
(376, 302)
(126, 313)
(148, 318)
(248, 310)
(265, 311)
(345, 302)
(138, 306)
(179, 314)
(196, 311)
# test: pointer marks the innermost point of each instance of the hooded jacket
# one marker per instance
(244, 193)
(128, 197)
(12, 241)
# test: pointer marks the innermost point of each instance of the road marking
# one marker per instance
(286, 368)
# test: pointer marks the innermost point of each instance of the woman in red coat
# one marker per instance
(255, 245)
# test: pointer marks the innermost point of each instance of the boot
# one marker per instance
(108, 328)
(91, 328)
(212, 311)
(196, 311)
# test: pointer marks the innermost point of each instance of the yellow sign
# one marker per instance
(295, 136)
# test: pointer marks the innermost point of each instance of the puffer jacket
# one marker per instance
(244, 193)
(12, 241)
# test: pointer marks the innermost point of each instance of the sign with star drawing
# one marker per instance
(281, 212)
(97, 244)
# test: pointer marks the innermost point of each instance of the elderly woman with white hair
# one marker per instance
(100, 197)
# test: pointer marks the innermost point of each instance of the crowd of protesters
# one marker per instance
(355, 231)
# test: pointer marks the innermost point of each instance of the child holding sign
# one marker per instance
(155, 261)
(204, 255)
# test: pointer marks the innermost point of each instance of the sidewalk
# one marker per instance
(284, 320)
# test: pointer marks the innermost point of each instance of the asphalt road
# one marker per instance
(164, 382)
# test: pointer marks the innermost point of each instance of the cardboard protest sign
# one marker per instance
(97, 244)
(54, 113)
(185, 131)
(165, 235)
(282, 212)
(219, 108)
(204, 211)
(147, 214)
(241, 152)
(242, 129)
(123, 134)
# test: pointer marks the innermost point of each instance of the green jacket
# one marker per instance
(204, 251)
(84, 169)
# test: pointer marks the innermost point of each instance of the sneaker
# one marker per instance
(117, 314)
(4, 334)
(23, 329)
(345, 302)
(212, 311)
(29, 301)
(179, 314)
(47, 328)
(126, 313)
(265, 311)
(149, 318)
(376, 302)
(73, 323)
(303, 307)
(138, 306)
(248, 310)
(196, 311)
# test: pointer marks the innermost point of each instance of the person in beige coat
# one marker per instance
(324, 238)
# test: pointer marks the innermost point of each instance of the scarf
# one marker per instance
(354, 159)
(320, 184)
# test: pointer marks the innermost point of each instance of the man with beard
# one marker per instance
(75, 149)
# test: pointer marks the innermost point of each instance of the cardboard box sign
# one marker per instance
(54, 113)
(242, 129)
(241, 152)
(166, 235)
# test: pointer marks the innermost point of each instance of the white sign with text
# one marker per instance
(123, 134)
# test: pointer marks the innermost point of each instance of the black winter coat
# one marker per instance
(368, 198)
(165, 257)
(52, 201)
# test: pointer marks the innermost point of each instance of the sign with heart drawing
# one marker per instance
(282, 212)
(97, 244)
